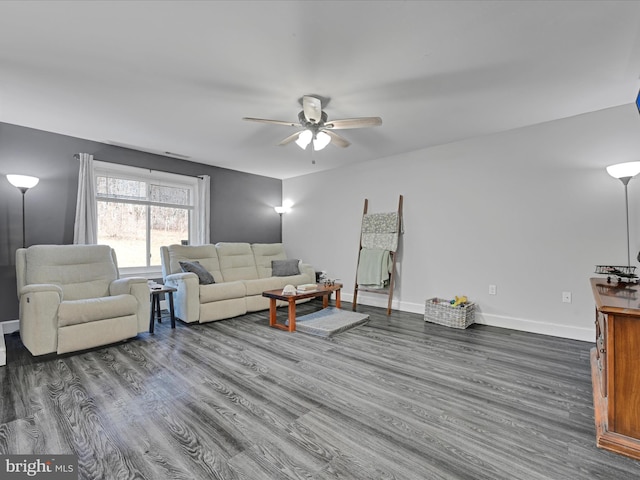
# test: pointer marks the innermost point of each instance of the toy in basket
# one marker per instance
(457, 313)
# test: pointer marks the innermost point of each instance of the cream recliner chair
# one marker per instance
(71, 298)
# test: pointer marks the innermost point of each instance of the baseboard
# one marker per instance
(525, 325)
(9, 326)
(522, 324)
(536, 326)
(6, 328)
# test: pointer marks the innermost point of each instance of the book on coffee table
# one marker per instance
(307, 287)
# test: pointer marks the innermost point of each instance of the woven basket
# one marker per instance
(440, 311)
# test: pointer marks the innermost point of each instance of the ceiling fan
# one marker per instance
(316, 127)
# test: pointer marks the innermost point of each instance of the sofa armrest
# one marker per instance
(41, 287)
(124, 286)
(308, 270)
(39, 317)
(186, 300)
(139, 288)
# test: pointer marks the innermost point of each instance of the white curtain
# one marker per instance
(204, 204)
(85, 230)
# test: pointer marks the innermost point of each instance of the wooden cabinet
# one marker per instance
(615, 366)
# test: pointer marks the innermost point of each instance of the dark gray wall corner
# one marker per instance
(241, 203)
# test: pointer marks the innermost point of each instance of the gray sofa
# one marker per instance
(71, 298)
(241, 272)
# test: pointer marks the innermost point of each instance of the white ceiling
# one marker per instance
(179, 76)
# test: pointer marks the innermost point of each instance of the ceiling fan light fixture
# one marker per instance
(321, 140)
(304, 139)
(316, 127)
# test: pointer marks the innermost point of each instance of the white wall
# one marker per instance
(530, 210)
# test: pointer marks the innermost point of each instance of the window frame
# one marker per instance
(154, 177)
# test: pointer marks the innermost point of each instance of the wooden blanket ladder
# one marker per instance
(380, 231)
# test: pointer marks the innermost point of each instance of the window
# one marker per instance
(141, 210)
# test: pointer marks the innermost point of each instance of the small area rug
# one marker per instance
(329, 321)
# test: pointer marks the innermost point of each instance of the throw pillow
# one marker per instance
(284, 268)
(204, 276)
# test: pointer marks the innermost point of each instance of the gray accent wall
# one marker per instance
(241, 203)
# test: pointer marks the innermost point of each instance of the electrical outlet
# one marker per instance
(566, 297)
(493, 290)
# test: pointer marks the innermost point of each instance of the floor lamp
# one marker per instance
(625, 172)
(23, 183)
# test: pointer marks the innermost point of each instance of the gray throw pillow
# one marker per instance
(284, 268)
(204, 276)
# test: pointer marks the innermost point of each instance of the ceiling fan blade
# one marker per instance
(337, 140)
(312, 108)
(274, 122)
(362, 122)
(291, 138)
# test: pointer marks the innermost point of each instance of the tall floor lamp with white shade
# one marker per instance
(625, 172)
(23, 183)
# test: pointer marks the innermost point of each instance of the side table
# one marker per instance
(156, 290)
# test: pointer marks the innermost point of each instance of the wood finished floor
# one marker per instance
(395, 399)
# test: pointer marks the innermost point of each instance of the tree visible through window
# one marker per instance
(136, 216)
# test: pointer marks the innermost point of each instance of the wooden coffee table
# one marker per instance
(321, 291)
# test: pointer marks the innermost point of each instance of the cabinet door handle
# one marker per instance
(602, 350)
